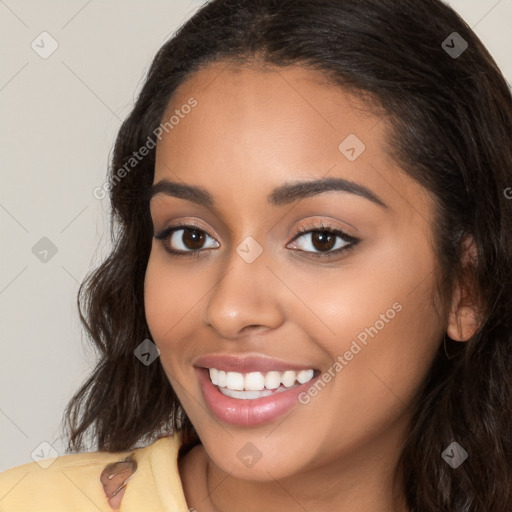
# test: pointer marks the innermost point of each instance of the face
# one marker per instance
(351, 296)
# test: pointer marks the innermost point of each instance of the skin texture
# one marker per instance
(252, 131)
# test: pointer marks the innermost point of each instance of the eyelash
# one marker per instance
(166, 233)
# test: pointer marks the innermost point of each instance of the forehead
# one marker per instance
(281, 105)
(262, 82)
(257, 127)
(292, 109)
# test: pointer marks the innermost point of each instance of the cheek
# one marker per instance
(169, 295)
(163, 306)
(173, 295)
(384, 328)
(378, 377)
(366, 291)
(156, 301)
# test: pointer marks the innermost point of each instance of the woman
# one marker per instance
(308, 303)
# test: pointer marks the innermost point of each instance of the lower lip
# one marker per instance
(247, 413)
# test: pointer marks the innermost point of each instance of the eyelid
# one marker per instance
(321, 226)
(318, 226)
(180, 225)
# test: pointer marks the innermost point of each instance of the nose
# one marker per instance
(245, 297)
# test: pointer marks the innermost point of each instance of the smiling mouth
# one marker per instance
(252, 385)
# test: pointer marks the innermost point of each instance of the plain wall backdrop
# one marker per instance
(59, 114)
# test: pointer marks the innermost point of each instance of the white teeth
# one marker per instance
(244, 395)
(214, 373)
(272, 380)
(221, 378)
(235, 380)
(254, 381)
(304, 376)
(257, 383)
(288, 379)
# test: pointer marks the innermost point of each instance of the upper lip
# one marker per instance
(247, 363)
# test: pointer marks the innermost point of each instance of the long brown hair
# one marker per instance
(452, 123)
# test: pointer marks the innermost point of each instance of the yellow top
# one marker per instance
(72, 482)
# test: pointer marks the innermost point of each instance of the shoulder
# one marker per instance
(76, 481)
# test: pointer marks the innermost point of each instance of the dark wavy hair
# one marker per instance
(451, 124)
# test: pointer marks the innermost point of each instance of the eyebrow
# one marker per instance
(282, 195)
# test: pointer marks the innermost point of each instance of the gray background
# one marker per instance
(58, 119)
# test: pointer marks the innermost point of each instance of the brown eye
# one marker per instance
(192, 238)
(324, 241)
(184, 240)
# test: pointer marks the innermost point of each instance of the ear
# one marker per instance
(463, 320)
